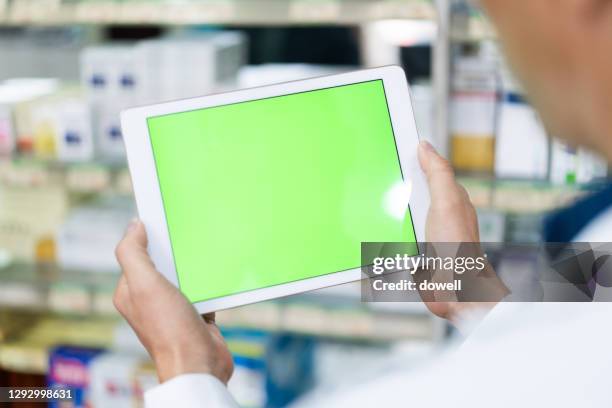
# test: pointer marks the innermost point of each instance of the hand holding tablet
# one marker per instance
(267, 192)
(176, 337)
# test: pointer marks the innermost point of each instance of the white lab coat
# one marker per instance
(521, 355)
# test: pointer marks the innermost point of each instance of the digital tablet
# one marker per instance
(267, 192)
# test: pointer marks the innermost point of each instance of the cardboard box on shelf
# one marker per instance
(110, 79)
(54, 125)
(86, 240)
(109, 137)
(111, 376)
(14, 94)
(28, 215)
(74, 132)
(473, 107)
(109, 72)
(189, 65)
(522, 145)
(119, 76)
(571, 166)
(69, 368)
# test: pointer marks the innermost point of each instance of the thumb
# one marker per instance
(439, 173)
(132, 252)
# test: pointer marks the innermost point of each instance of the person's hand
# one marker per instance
(452, 219)
(178, 339)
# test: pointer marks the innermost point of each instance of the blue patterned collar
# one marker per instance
(563, 225)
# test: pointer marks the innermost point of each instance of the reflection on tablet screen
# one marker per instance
(281, 189)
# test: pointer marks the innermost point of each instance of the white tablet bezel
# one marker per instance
(149, 200)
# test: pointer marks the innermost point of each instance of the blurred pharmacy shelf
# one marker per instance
(311, 315)
(49, 289)
(87, 178)
(521, 196)
(25, 349)
(44, 308)
(92, 355)
(504, 195)
(514, 211)
(458, 21)
(227, 12)
(45, 288)
(468, 22)
(472, 29)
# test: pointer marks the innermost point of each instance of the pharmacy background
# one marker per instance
(67, 68)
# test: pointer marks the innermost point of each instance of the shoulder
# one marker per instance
(598, 230)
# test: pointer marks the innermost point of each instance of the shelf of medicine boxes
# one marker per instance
(509, 196)
(227, 12)
(472, 28)
(521, 196)
(334, 312)
(87, 177)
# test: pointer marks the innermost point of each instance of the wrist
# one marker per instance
(490, 291)
(173, 363)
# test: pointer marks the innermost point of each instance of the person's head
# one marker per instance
(561, 50)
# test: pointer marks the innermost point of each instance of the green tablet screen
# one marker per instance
(277, 190)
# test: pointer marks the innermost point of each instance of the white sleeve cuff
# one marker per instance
(190, 391)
